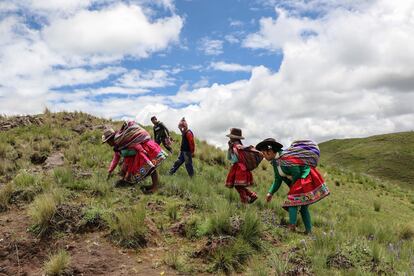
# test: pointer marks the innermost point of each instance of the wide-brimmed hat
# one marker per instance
(107, 134)
(269, 143)
(235, 133)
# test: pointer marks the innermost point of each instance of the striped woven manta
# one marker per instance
(301, 152)
(130, 133)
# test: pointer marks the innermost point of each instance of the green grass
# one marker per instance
(364, 218)
(388, 157)
(57, 263)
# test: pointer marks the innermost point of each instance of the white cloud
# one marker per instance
(115, 30)
(235, 23)
(211, 47)
(150, 79)
(231, 39)
(230, 67)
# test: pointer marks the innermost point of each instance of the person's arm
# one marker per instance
(190, 139)
(277, 182)
(166, 131)
(114, 162)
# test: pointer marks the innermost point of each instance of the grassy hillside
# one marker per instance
(61, 216)
(389, 157)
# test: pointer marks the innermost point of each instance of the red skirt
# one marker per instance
(149, 156)
(239, 176)
(307, 190)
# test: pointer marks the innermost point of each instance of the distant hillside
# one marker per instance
(389, 156)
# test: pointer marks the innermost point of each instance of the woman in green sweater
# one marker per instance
(306, 185)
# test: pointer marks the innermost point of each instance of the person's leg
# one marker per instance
(304, 211)
(242, 192)
(154, 178)
(189, 163)
(177, 163)
(293, 216)
(252, 195)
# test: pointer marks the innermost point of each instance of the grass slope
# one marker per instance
(389, 157)
(192, 225)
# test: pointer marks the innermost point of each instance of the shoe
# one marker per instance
(252, 199)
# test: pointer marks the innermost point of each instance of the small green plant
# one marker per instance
(175, 261)
(172, 211)
(231, 257)
(251, 229)
(57, 263)
(42, 210)
(5, 195)
(63, 176)
(377, 206)
(25, 179)
(128, 227)
(406, 232)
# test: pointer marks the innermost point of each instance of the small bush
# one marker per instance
(5, 195)
(57, 264)
(128, 227)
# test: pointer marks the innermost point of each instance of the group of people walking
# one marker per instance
(295, 166)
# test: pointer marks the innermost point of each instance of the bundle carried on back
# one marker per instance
(129, 134)
(251, 157)
(301, 152)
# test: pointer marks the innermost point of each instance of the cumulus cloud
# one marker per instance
(230, 67)
(116, 30)
(150, 79)
(211, 47)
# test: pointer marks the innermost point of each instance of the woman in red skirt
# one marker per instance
(141, 154)
(239, 177)
(298, 171)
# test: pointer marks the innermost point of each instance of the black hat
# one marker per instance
(269, 143)
(235, 133)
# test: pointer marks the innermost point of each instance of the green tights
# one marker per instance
(304, 211)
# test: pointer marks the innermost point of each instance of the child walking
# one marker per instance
(239, 176)
(297, 168)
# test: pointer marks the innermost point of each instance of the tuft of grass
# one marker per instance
(251, 229)
(377, 206)
(406, 232)
(5, 196)
(42, 211)
(128, 227)
(57, 263)
(63, 176)
(218, 222)
(175, 261)
(172, 211)
(232, 257)
(25, 180)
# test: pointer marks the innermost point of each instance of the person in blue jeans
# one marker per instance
(186, 151)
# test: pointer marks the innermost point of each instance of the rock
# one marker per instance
(55, 160)
(79, 129)
(38, 158)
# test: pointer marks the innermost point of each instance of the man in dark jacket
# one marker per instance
(161, 134)
(186, 151)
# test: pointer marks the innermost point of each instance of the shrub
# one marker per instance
(128, 227)
(5, 195)
(57, 263)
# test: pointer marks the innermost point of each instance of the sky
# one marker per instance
(287, 69)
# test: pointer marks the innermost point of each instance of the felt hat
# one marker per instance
(235, 133)
(107, 134)
(269, 143)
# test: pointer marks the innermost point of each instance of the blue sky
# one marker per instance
(286, 69)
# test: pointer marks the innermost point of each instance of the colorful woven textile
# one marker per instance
(302, 152)
(130, 133)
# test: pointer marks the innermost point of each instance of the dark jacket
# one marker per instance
(160, 132)
(187, 141)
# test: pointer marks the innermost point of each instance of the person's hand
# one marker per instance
(269, 197)
(192, 155)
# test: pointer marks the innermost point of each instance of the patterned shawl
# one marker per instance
(301, 152)
(129, 134)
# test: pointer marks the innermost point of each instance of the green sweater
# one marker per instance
(296, 172)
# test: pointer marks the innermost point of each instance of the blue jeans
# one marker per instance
(184, 157)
